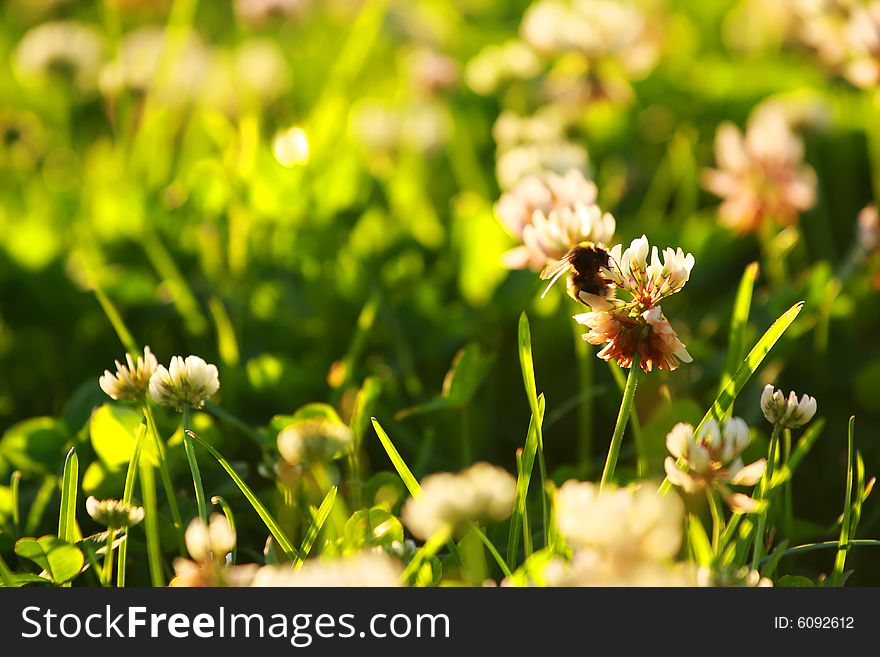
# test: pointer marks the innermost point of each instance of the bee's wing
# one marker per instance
(554, 272)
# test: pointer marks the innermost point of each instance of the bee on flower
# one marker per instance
(636, 325)
(712, 460)
(550, 214)
(761, 176)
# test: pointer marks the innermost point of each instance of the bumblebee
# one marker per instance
(584, 262)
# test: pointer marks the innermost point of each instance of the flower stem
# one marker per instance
(165, 475)
(717, 518)
(584, 357)
(194, 467)
(763, 489)
(626, 404)
(108, 558)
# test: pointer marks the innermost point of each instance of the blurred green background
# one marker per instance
(304, 197)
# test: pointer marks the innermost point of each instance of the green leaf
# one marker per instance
(270, 522)
(113, 430)
(843, 543)
(412, 485)
(800, 450)
(372, 527)
(724, 402)
(69, 487)
(523, 480)
(739, 321)
(320, 517)
(469, 368)
(35, 446)
(699, 541)
(61, 560)
(795, 582)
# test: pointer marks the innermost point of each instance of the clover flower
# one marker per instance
(132, 380)
(761, 176)
(209, 545)
(784, 411)
(551, 214)
(482, 492)
(534, 157)
(211, 542)
(712, 459)
(314, 441)
(637, 325)
(846, 36)
(70, 48)
(365, 569)
(186, 382)
(619, 537)
(732, 578)
(114, 513)
(615, 39)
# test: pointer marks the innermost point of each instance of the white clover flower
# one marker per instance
(69, 47)
(761, 176)
(535, 157)
(314, 441)
(551, 214)
(647, 283)
(482, 492)
(637, 325)
(132, 380)
(634, 523)
(114, 513)
(787, 412)
(739, 578)
(366, 569)
(589, 567)
(211, 542)
(712, 458)
(186, 382)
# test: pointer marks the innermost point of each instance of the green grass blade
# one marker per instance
(69, 489)
(230, 520)
(739, 320)
(270, 522)
(412, 485)
(492, 549)
(14, 487)
(317, 523)
(115, 319)
(843, 542)
(524, 338)
(151, 522)
(724, 402)
(800, 450)
(6, 575)
(827, 545)
(526, 459)
(38, 506)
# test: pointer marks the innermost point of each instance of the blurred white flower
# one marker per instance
(497, 64)
(761, 176)
(186, 382)
(620, 537)
(534, 158)
(137, 64)
(712, 458)
(787, 411)
(431, 71)
(481, 493)
(868, 229)
(211, 542)
(314, 441)
(131, 381)
(365, 569)
(114, 513)
(739, 578)
(68, 48)
(551, 214)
